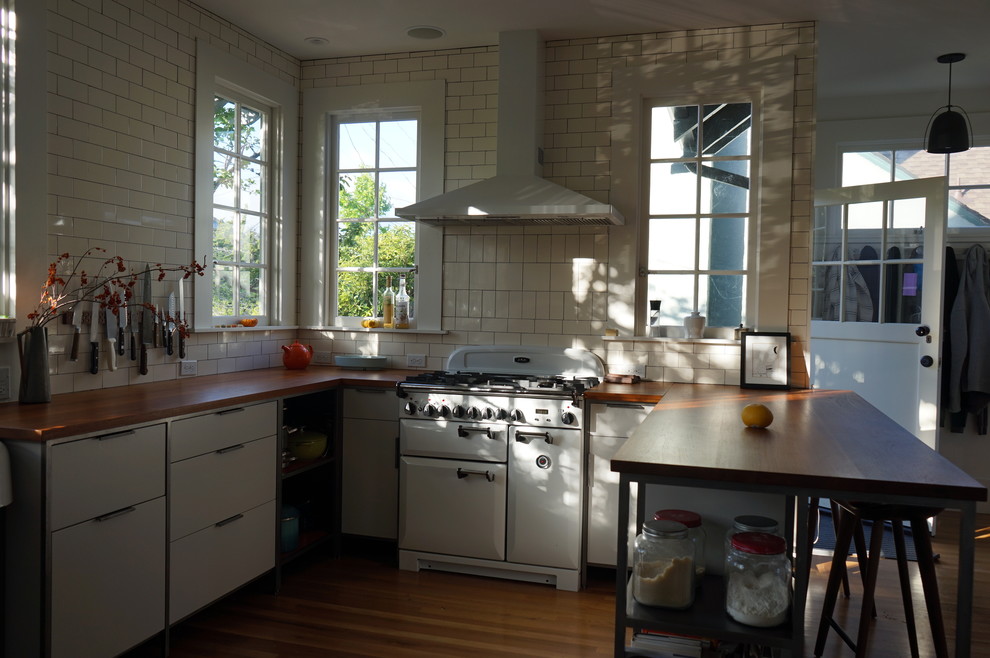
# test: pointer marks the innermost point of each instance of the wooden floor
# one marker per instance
(361, 605)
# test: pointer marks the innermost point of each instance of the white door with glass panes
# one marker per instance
(877, 253)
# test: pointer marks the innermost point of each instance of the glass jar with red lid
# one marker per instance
(696, 531)
(758, 579)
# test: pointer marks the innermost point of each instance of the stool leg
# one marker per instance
(869, 587)
(929, 581)
(843, 537)
(902, 571)
(845, 572)
(860, 540)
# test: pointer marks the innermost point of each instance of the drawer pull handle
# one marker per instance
(463, 473)
(115, 435)
(230, 411)
(113, 515)
(235, 517)
(628, 405)
(524, 437)
(223, 451)
(463, 431)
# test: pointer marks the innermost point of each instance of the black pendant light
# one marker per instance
(949, 131)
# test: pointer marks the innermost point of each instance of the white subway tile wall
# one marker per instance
(120, 92)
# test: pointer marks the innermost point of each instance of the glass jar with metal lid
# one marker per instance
(696, 532)
(663, 565)
(758, 579)
(750, 523)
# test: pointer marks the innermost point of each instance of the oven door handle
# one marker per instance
(463, 473)
(463, 431)
(523, 437)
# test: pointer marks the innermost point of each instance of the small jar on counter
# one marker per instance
(695, 531)
(663, 565)
(758, 579)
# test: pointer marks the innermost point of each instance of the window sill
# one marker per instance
(665, 339)
(215, 330)
(377, 330)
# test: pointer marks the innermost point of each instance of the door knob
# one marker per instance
(923, 330)
(927, 361)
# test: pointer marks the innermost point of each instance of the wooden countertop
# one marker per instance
(72, 414)
(819, 440)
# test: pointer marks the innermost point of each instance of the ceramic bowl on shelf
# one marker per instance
(360, 361)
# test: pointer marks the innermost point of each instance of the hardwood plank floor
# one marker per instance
(361, 605)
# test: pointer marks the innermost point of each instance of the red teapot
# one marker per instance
(297, 356)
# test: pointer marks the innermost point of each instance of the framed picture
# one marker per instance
(766, 359)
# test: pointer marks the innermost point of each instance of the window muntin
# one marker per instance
(700, 211)
(375, 171)
(241, 207)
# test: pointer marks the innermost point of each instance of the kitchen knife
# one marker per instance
(146, 321)
(182, 316)
(130, 333)
(156, 332)
(171, 323)
(111, 338)
(120, 329)
(94, 336)
(77, 314)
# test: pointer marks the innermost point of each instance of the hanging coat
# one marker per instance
(969, 375)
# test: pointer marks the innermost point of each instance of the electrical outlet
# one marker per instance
(627, 369)
(4, 383)
(323, 357)
(187, 367)
(415, 360)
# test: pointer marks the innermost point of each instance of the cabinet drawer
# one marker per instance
(203, 434)
(215, 486)
(217, 560)
(371, 403)
(95, 476)
(617, 419)
(108, 582)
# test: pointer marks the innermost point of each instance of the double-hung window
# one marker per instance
(700, 211)
(375, 172)
(241, 210)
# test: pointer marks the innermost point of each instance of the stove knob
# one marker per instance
(488, 413)
(444, 411)
(473, 413)
(410, 408)
(567, 418)
(430, 411)
(501, 414)
(458, 411)
(516, 416)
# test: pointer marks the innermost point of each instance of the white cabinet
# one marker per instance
(370, 475)
(223, 479)
(107, 545)
(609, 425)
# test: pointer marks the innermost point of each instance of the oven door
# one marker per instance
(452, 507)
(545, 497)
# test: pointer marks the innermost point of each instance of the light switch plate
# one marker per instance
(415, 360)
(627, 369)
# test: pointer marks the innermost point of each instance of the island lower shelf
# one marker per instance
(706, 619)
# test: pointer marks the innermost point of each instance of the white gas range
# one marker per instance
(491, 471)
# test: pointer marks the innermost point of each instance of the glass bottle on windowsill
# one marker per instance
(402, 305)
(388, 306)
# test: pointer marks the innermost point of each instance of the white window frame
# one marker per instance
(749, 309)
(8, 41)
(770, 82)
(217, 72)
(317, 251)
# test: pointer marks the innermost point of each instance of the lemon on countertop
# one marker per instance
(756, 415)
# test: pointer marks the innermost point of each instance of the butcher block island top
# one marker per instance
(820, 440)
(72, 414)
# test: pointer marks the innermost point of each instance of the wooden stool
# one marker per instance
(851, 516)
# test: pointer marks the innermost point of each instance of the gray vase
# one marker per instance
(32, 346)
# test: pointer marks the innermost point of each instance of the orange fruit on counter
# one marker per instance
(756, 415)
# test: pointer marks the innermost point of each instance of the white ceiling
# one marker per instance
(865, 46)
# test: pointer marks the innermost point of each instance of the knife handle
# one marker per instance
(120, 341)
(168, 343)
(74, 350)
(182, 346)
(112, 352)
(155, 336)
(94, 357)
(133, 348)
(143, 363)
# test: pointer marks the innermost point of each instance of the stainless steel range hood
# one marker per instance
(517, 194)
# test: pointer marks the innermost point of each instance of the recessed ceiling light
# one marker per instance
(316, 41)
(426, 32)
